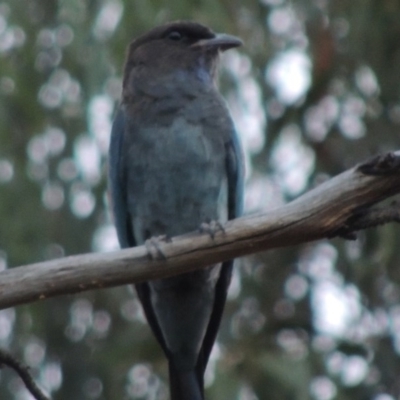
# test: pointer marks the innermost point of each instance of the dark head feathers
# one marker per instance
(176, 46)
(193, 31)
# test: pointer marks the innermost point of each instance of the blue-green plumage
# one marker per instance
(175, 163)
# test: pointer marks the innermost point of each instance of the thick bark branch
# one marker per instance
(333, 208)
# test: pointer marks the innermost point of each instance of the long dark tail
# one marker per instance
(186, 385)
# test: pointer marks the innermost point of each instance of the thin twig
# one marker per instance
(370, 218)
(23, 372)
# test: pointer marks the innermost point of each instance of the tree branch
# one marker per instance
(331, 209)
(23, 372)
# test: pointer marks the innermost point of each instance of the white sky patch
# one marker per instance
(87, 156)
(320, 118)
(292, 160)
(105, 239)
(251, 123)
(67, 169)
(236, 285)
(100, 120)
(246, 106)
(366, 81)
(215, 355)
(6, 170)
(320, 263)
(52, 195)
(335, 309)
(246, 393)
(351, 370)
(281, 20)
(143, 383)
(296, 287)
(50, 143)
(82, 202)
(34, 352)
(7, 320)
(351, 119)
(51, 376)
(262, 193)
(55, 139)
(336, 306)
(355, 369)
(322, 388)
(60, 88)
(108, 19)
(394, 326)
(272, 2)
(37, 149)
(383, 396)
(290, 75)
(10, 36)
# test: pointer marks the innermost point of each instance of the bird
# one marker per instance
(175, 162)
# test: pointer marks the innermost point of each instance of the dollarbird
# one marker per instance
(174, 163)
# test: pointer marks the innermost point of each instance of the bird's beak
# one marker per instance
(220, 41)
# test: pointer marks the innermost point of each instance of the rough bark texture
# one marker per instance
(330, 209)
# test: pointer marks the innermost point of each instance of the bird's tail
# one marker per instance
(186, 385)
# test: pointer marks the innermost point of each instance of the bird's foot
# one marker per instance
(153, 247)
(212, 227)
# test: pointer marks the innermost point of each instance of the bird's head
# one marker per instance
(173, 55)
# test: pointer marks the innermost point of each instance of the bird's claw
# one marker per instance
(212, 228)
(154, 249)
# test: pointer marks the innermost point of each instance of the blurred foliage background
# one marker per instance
(315, 89)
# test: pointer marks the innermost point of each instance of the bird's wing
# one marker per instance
(235, 175)
(122, 220)
(116, 179)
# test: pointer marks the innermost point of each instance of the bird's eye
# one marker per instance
(175, 35)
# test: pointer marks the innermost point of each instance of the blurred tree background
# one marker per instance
(315, 89)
